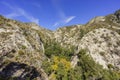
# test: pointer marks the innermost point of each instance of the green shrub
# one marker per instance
(110, 66)
(56, 49)
(23, 47)
(102, 53)
(21, 52)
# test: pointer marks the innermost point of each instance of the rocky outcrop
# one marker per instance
(20, 43)
(68, 36)
(103, 45)
(100, 37)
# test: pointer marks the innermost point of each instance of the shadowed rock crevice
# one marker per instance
(20, 71)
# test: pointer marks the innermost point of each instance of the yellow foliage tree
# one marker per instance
(57, 60)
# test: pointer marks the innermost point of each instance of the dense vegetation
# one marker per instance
(58, 66)
(54, 49)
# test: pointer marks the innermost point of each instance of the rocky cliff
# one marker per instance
(20, 44)
(28, 51)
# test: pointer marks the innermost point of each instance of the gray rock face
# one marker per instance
(68, 35)
(103, 46)
(20, 48)
(21, 42)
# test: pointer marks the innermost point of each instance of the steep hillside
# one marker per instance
(103, 45)
(19, 42)
(78, 52)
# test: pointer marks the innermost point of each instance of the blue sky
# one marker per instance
(52, 14)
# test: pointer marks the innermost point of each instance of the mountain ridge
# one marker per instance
(74, 46)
